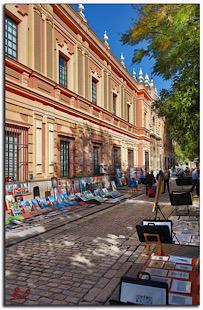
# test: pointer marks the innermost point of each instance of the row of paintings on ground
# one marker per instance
(69, 186)
(81, 185)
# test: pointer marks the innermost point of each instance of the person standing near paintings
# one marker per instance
(195, 179)
(166, 180)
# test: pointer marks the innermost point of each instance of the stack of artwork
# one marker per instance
(186, 229)
(179, 273)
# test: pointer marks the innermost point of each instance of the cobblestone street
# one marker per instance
(80, 263)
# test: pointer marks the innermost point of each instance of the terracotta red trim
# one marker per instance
(33, 74)
(58, 106)
(14, 64)
(11, 15)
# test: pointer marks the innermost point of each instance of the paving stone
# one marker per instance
(59, 303)
(76, 289)
(92, 294)
(59, 297)
(64, 287)
(69, 293)
(18, 301)
(102, 283)
(23, 279)
(46, 279)
(109, 274)
(52, 284)
(55, 290)
(58, 272)
(86, 286)
(46, 294)
(45, 301)
(71, 299)
(107, 290)
(33, 297)
(123, 269)
(31, 303)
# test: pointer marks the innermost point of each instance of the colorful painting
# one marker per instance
(54, 182)
(76, 186)
(69, 187)
(82, 185)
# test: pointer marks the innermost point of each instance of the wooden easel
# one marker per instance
(148, 242)
(159, 190)
(156, 207)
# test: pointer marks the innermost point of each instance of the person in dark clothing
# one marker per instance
(158, 174)
(146, 179)
(187, 171)
(166, 180)
(195, 179)
(150, 180)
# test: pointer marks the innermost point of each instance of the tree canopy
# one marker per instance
(172, 36)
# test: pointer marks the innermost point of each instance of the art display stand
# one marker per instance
(156, 207)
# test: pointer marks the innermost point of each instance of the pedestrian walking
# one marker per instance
(195, 179)
(166, 180)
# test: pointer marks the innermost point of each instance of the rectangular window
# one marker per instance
(96, 159)
(128, 113)
(64, 158)
(51, 147)
(116, 158)
(147, 160)
(130, 159)
(145, 119)
(62, 71)
(114, 104)
(16, 153)
(10, 38)
(12, 156)
(94, 91)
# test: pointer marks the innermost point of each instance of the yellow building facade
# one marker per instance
(70, 104)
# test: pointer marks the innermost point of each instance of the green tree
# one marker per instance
(171, 33)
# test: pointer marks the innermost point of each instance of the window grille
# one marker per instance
(94, 91)
(114, 104)
(128, 113)
(16, 153)
(10, 38)
(62, 71)
(117, 157)
(130, 158)
(64, 158)
(96, 153)
(147, 160)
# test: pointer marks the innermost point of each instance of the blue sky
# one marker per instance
(116, 19)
